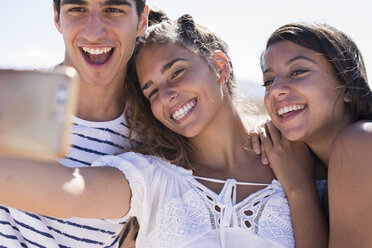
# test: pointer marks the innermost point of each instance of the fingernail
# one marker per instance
(257, 151)
(265, 160)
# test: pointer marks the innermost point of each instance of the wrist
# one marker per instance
(301, 190)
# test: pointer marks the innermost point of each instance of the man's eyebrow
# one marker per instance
(77, 2)
(292, 60)
(117, 2)
(170, 64)
(105, 3)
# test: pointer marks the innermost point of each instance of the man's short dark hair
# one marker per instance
(140, 5)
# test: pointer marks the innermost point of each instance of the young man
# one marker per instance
(99, 37)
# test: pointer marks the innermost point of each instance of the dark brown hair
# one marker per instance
(343, 55)
(154, 138)
(140, 6)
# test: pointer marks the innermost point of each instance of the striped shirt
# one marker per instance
(89, 141)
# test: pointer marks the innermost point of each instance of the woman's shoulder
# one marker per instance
(352, 148)
(358, 129)
(355, 137)
(150, 165)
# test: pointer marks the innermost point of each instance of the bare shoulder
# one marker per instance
(354, 144)
(349, 184)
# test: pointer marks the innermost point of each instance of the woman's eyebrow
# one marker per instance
(147, 85)
(165, 68)
(300, 57)
(170, 64)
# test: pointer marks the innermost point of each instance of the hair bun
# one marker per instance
(157, 16)
(186, 21)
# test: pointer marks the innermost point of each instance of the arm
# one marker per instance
(350, 188)
(293, 165)
(48, 188)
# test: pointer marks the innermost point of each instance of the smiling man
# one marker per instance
(99, 37)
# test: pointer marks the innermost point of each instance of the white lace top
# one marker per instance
(175, 210)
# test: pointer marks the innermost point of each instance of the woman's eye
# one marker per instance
(177, 73)
(152, 93)
(268, 83)
(298, 72)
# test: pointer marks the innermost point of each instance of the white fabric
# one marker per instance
(90, 140)
(175, 210)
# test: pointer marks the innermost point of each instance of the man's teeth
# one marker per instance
(97, 51)
(179, 114)
(287, 109)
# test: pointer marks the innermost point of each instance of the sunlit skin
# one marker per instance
(172, 77)
(297, 76)
(99, 24)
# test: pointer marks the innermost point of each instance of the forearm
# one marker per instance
(309, 224)
(34, 186)
(48, 188)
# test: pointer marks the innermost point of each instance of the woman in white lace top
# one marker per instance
(204, 187)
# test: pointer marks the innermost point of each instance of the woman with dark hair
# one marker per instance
(204, 187)
(317, 93)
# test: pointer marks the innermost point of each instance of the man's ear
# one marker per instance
(222, 66)
(56, 19)
(143, 21)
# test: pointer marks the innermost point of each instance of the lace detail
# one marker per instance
(182, 219)
(264, 213)
(176, 210)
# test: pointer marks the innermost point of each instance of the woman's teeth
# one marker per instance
(287, 109)
(182, 112)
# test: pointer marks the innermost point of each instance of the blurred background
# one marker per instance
(30, 40)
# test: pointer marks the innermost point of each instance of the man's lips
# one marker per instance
(97, 56)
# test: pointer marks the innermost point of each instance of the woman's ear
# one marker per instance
(347, 96)
(222, 66)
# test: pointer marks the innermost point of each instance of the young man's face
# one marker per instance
(99, 37)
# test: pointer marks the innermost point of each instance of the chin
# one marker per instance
(292, 135)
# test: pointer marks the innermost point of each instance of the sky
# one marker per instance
(30, 40)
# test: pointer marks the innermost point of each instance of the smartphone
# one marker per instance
(35, 111)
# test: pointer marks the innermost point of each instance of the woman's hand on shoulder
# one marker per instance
(292, 162)
(350, 184)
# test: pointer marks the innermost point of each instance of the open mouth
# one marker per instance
(184, 110)
(288, 110)
(97, 56)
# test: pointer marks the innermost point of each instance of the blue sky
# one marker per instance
(29, 38)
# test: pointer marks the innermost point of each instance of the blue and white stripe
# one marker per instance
(90, 140)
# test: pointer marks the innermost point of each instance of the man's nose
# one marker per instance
(94, 28)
